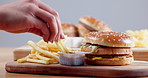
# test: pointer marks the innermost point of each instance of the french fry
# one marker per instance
(42, 57)
(66, 50)
(45, 52)
(42, 45)
(22, 60)
(33, 51)
(62, 47)
(47, 46)
(54, 62)
(37, 61)
(52, 47)
(32, 56)
(140, 37)
(56, 54)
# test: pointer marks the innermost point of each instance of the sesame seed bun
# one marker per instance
(123, 61)
(82, 30)
(109, 39)
(93, 24)
(70, 30)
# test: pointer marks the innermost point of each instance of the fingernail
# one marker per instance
(63, 37)
(59, 38)
(45, 40)
(55, 39)
(51, 41)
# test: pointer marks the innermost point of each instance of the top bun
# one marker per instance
(94, 23)
(109, 39)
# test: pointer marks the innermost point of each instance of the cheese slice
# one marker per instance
(95, 58)
(120, 57)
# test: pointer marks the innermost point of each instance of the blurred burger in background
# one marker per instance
(89, 24)
(70, 30)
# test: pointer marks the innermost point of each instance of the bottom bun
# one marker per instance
(124, 61)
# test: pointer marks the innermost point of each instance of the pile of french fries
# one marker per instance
(140, 37)
(44, 53)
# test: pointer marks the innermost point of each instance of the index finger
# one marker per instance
(55, 13)
(50, 19)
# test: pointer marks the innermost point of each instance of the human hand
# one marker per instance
(31, 16)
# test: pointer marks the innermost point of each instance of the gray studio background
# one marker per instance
(121, 15)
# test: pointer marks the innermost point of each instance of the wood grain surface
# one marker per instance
(134, 70)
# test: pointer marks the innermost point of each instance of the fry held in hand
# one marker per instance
(48, 46)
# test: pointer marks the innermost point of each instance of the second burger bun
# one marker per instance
(94, 24)
(89, 24)
(109, 39)
(70, 30)
(82, 30)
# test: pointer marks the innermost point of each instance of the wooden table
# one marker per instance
(6, 55)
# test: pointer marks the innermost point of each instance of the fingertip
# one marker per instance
(45, 38)
(55, 39)
(51, 41)
(62, 36)
(58, 38)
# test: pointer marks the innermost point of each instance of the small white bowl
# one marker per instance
(73, 58)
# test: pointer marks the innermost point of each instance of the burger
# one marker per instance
(82, 30)
(108, 48)
(90, 24)
(70, 30)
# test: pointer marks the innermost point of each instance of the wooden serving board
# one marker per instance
(137, 69)
(139, 53)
